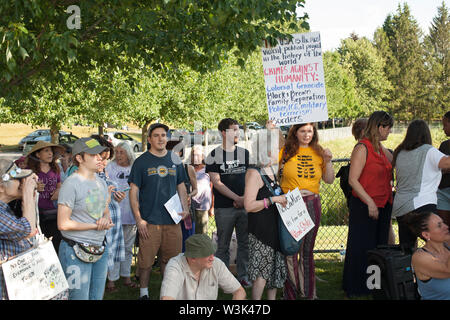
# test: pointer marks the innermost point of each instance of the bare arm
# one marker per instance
(182, 193)
(253, 183)
(56, 192)
(65, 223)
(223, 189)
(141, 224)
(29, 201)
(444, 164)
(426, 266)
(328, 176)
(193, 178)
(239, 294)
(358, 161)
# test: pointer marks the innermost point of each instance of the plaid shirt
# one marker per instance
(13, 232)
(114, 236)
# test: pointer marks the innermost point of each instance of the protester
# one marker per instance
(227, 165)
(431, 263)
(114, 236)
(303, 164)
(155, 177)
(42, 161)
(188, 225)
(15, 232)
(267, 265)
(84, 218)
(197, 275)
(418, 168)
(371, 202)
(443, 193)
(203, 201)
(65, 161)
(118, 171)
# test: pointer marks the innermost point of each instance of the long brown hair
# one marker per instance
(417, 134)
(292, 144)
(34, 163)
(377, 119)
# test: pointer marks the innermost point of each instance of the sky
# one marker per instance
(336, 20)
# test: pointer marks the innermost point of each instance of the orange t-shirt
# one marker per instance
(304, 170)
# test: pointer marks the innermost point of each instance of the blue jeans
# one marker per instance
(228, 219)
(86, 280)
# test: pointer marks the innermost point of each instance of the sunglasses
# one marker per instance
(11, 172)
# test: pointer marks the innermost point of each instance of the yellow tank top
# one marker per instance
(304, 170)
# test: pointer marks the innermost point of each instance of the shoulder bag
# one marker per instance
(288, 245)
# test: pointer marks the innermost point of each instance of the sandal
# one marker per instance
(131, 284)
(112, 289)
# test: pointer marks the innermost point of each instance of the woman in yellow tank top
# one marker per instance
(303, 163)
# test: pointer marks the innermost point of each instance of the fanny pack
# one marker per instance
(87, 252)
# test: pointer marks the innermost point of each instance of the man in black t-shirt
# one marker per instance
(227, 165)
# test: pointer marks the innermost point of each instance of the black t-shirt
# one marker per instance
(231, 167)
(445, 181)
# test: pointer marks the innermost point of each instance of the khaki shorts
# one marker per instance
(166, 238)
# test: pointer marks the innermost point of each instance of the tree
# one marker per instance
(405, 69)
(40, 38)
(341, 91)
(361, 58)
(437, 49)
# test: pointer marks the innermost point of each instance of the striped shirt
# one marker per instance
(13, 232)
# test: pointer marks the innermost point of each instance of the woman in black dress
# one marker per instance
(267, 266)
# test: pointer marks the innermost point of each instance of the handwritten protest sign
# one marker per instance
(35, 275)
(295, 81)
(295, 215)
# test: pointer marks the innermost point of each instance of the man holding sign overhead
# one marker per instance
(156, 176)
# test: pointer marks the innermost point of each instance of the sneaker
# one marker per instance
(144, 298)
(246, 283)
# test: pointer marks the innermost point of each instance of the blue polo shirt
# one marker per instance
(157, 179)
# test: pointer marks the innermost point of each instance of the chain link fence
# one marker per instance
(331, 238)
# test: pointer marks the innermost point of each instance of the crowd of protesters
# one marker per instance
(96, 202)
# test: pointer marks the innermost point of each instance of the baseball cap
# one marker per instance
(157, 125)
(199, 246)
(9, 170)
(87, 145)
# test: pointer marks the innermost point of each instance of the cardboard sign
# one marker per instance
(295, 81)
(35, 275)
(295, 215)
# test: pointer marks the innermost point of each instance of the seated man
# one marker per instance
(199, 272)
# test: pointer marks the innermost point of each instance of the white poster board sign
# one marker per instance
(295, 81)
(35, 275)
(295, 215)
(174, 207)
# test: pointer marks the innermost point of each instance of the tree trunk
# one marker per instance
(144, 136)
(100, 130)
(54, 133)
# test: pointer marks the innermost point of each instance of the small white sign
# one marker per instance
(295, 215)
(174, 207)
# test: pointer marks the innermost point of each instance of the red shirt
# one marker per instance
(376, 176)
